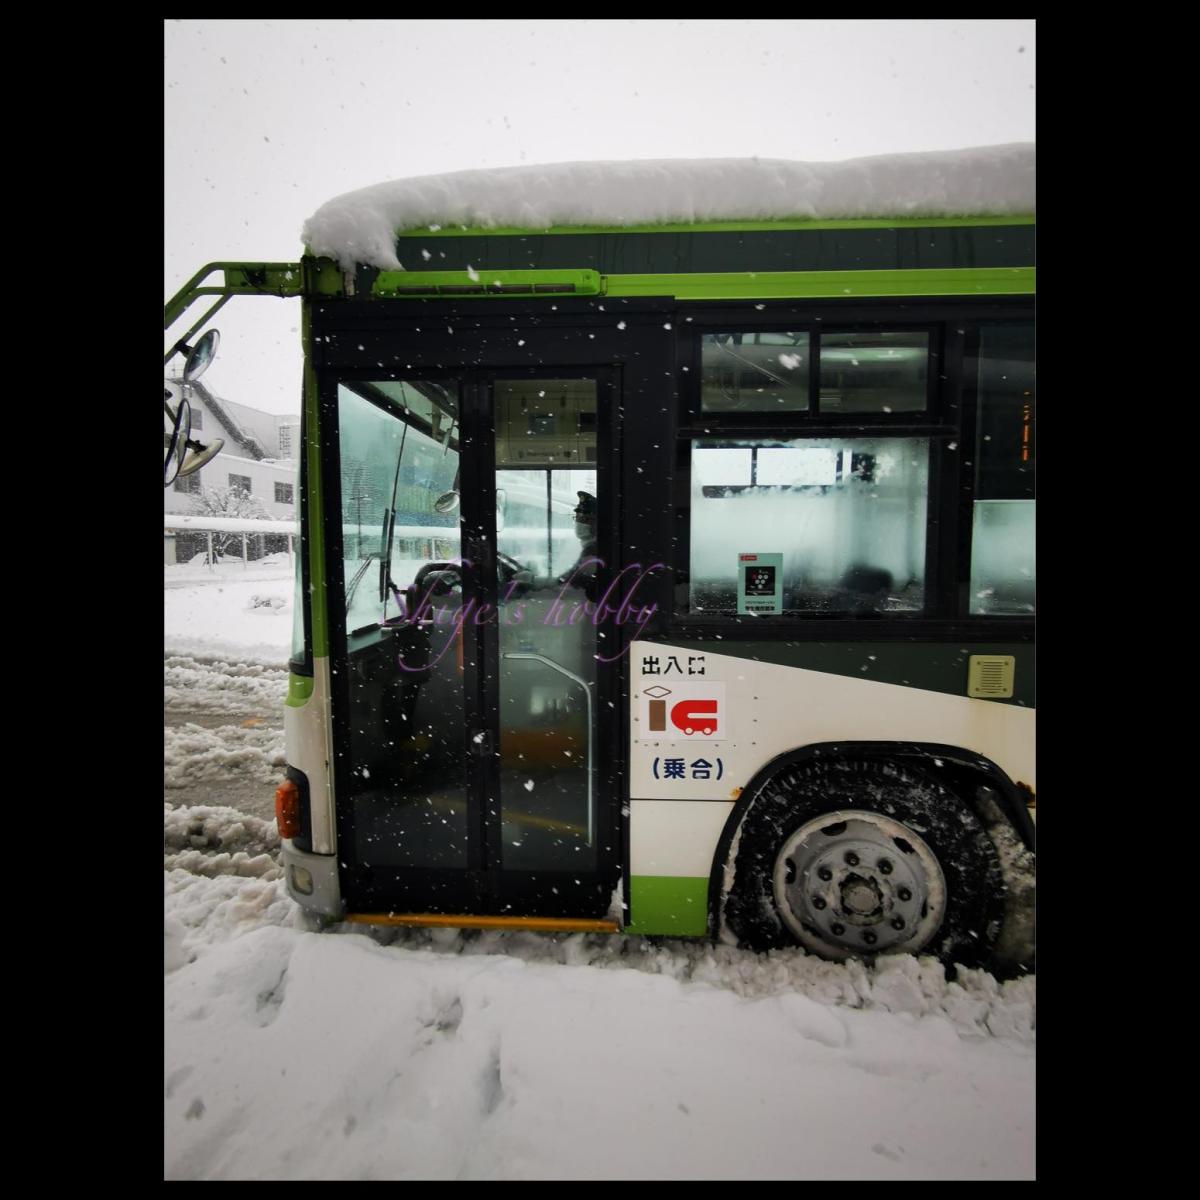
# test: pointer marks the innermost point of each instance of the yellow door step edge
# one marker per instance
(450, 920)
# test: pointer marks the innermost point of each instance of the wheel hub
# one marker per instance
(855, 882)
(861, 897)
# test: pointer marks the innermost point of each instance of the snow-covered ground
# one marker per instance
(384, 1054)
(242, 609)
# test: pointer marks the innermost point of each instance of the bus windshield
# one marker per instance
(392, 471)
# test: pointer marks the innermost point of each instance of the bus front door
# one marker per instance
(473, 779)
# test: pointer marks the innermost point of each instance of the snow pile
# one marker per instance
(217, 616)
(212, 683)
(207, 827)
(193, 753)
(360, 226)
(975, 1002)
(294, 1055)
(215, 841)
(369, 1053)
(202, 910)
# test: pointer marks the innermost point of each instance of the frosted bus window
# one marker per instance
(847, 515)
(1002, 540)
(797, 466)
(874, 372)
(725, 466)
(754, 371)
(1002, 557)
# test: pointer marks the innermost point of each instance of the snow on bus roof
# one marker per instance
(361, 226)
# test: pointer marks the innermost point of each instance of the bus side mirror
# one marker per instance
(447, 502)
(200, 356)
(177, 437)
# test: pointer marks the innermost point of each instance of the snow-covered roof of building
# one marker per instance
(262, 426)
(228, 419)
(361, 226)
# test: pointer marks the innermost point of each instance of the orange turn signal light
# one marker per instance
(287, 809)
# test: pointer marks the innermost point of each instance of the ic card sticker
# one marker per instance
(682, 712)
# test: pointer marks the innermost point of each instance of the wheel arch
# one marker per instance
(963, 771)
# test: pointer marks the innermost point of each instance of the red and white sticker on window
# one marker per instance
(682, 712)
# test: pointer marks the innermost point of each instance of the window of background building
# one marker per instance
(240, 483)
(283, 493)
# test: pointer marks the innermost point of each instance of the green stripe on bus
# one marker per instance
(720, 226)
(668, 904)
(803, 285)
(472, 284)
(300, 688)
(711, 285)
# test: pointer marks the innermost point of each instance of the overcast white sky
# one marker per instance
(266, 120)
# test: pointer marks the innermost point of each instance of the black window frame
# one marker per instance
(460, 886)
(302, 664)
(938, 422)
(291, 493)
(815, 326)
(972, 337)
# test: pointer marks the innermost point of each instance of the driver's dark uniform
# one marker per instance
(584, 573)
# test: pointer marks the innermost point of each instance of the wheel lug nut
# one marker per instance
(869, 937)
(885, 866)
(904, 893)
(825, 873)
(818, 902)
(897, 922)
(837, 930)
(851, 858)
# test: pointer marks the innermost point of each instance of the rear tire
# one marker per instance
(853, 858)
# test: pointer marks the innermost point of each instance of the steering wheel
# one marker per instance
(450, 576)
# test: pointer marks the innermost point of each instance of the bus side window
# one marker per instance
(847, 516)
(1002, 534)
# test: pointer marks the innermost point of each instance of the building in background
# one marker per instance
(258, 460)
(258, 457)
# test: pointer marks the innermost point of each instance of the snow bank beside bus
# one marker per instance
(294, 1055)
(360, 226)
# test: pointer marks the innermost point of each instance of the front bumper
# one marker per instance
(312, 880)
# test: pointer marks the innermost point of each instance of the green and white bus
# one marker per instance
(674, 580)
